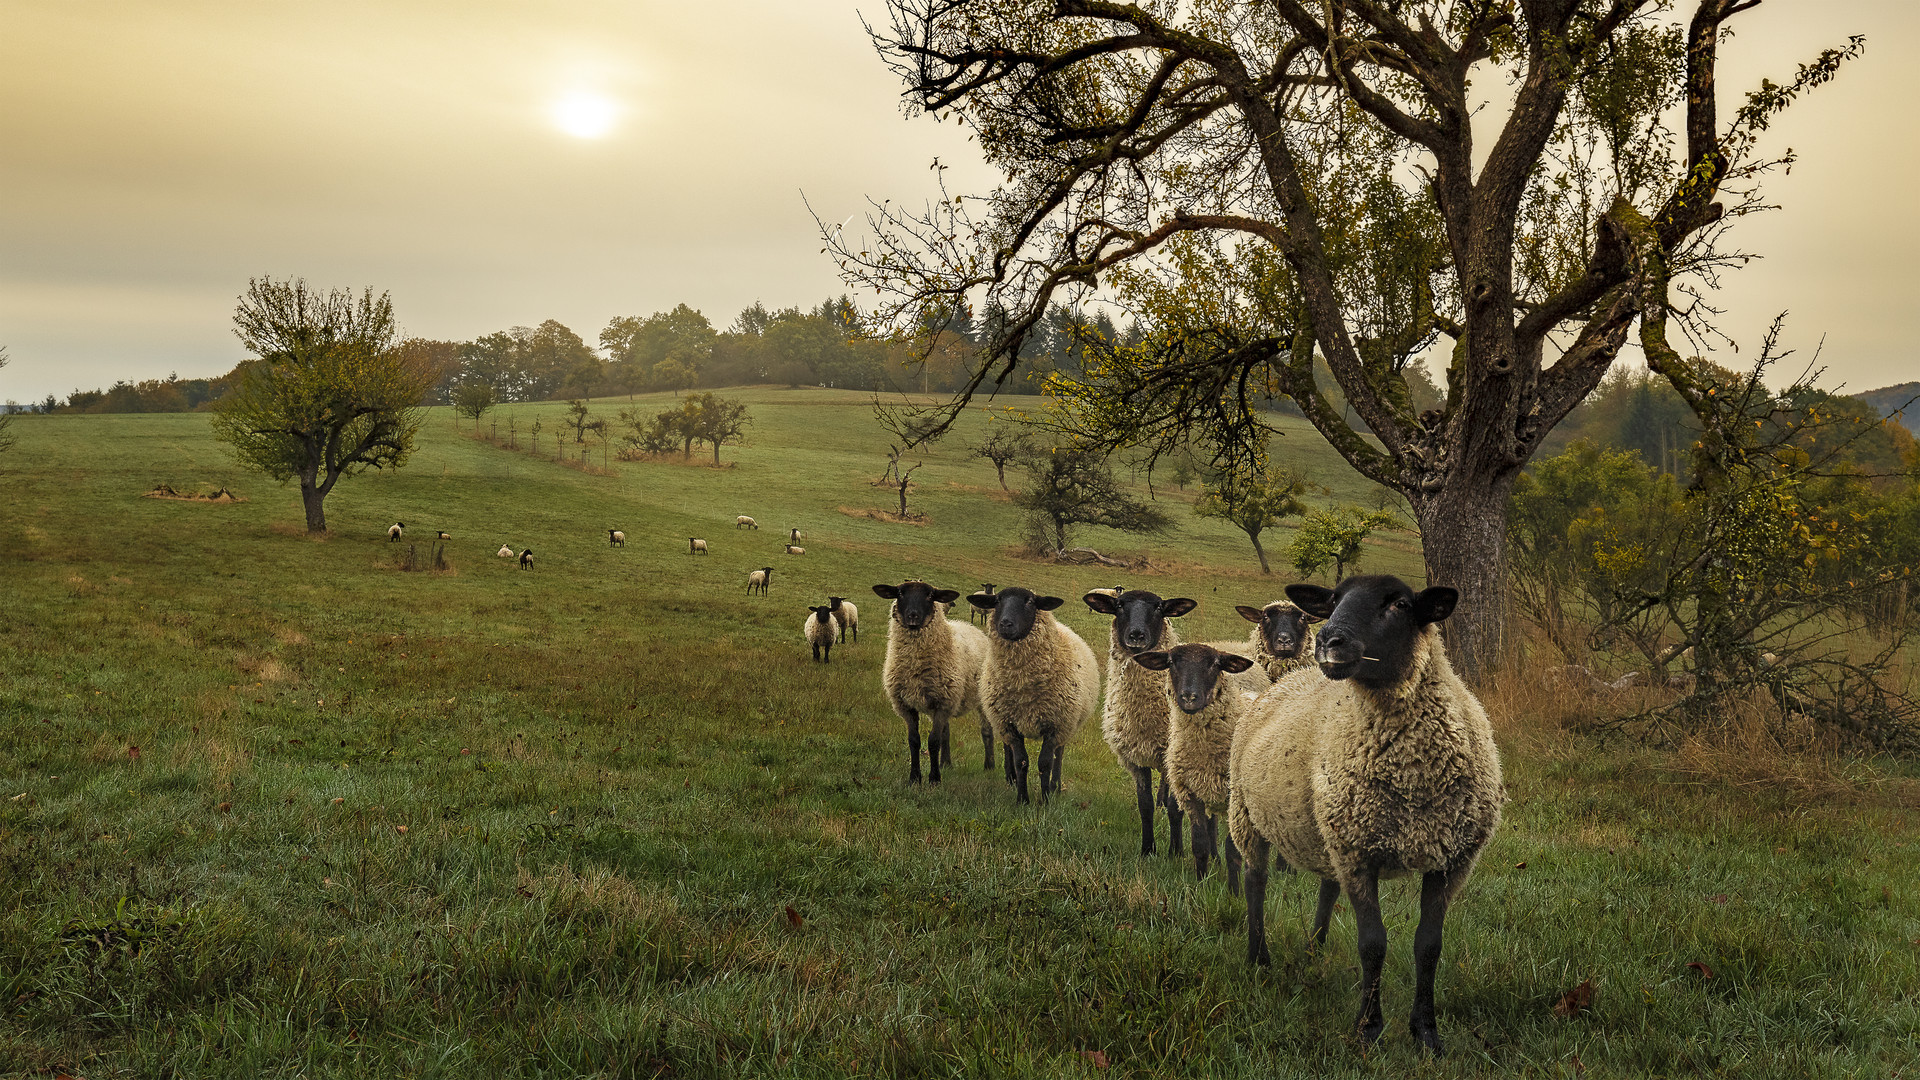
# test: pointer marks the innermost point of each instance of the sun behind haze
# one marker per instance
(494, 163)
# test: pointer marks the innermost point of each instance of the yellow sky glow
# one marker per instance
(584, 114)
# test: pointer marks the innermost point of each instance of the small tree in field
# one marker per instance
(1334, 538)
(1005, 444)
(717, 421)
(472, 399)
(1254, 504)
(327, 394)
(1071, 486)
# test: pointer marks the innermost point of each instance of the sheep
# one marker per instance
(986, 588)
(745, 522)
(933, 667)
(819, 631)
(793, 536)
(1134, 716)
(847, 615)
(616, 538)
(1040, 681)
(758, 580)
(1282, 637)
(505, 552)
(394, 530)
(1380, 764)
(526, 559)
(1206, 690)
(696, 547)
(792, 550)
(442, 535)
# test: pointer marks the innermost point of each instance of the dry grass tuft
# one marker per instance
(888, 516)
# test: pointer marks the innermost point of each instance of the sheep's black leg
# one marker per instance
(1017, 762)
(913, 746)
(1202, 840)
(1059, 766)
(937, 747)
(1176, 818)
(986, 743)
(946, 732)
(1257, 902)
(1006, 759)
(826, 653)
(1435, 890)
(1143, 794)
(816, 654)
(1047, 750)
(1323, 913)
(1233, 864)
(1364, 894)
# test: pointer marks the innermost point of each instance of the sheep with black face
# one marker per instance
(1133, 718)
(847, 615)
(1281, 638)
(1380, 764)
(932, 670)
(1206, 690)
(819, 630)
(1040, 682)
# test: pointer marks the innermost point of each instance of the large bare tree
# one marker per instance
(1267, 182)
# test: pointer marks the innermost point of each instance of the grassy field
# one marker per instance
(275, 808)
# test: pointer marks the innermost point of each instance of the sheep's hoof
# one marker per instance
(1260, 956)
(1428, 1034)
(1369, 1030)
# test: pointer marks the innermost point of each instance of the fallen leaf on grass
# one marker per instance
(1721, 899)
(133, 753)
(1521, 865)
(1096, 1058)
(1703, 969)
(1575, 1001)
(400, 828)
(793, 918)
(224, 807)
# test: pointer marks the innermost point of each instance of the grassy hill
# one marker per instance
(275, 807)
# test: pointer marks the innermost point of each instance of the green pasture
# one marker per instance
(273, 807)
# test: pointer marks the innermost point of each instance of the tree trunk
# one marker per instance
(716, 455)
(1260, 551)
(1464, 538)
(1001, 468)
(903, 500)
(315, 501)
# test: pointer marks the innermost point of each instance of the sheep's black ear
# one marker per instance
(1047, 603)
(945, 596)
(886, 592)
(1251, 614)
(1176, 607)
(1233, 662)
(1153, 661)
(1315, 600)
(1435, 604)
(1101, 603)
(983, 601)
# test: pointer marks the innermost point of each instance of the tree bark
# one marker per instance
(1260, 551)
(1464, 539)
(314, 498)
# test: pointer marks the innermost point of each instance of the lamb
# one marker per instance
(1134, 716)
(616, 538)
(1380, 764)
(1207, 690)
(847, 616)
(933, 667)
(1282, 637)
(1040, 681)
(792, 550)
(745, 522)
(698, 547)
(526, 559)
(505, 552)
(758, 580)
(819, 631)
(394, 530)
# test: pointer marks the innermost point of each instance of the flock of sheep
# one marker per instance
(1354, 753)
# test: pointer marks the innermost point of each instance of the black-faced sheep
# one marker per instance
(1207, 690)
(847, 615)
(745, 522)
(505, 552)
(1134, 717)
(395, 530)
(1041, 681)
(1281, 638)
(973, 613)
(616, 538)
(442, 535)
(526, 559)
(793, 549)
(932, 668)
(696, 547)
(758, 580)
(1380, 764)
(793, 536)
(819, 630)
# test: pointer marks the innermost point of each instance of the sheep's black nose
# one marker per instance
(1334, 640)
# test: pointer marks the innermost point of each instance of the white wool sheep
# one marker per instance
(1281, 639)
(1380, 764)
(395, 530)
(526, 559)
(1206, 689)
(697, 547)
(933, 669)
(819, 630)
(792, 550)
(1133, 718)
(758, 580)
(505, 552)
(442, 535)
(793, 536)
(745, 522)
(616, 538)
(1041, 681)
(847, 615)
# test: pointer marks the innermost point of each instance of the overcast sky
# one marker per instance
(154, 156)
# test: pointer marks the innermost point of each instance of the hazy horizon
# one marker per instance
(493, 164)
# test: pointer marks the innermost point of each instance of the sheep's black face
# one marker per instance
(914, 601)
(1014, 610)
(1193, 672)
(1373, 623)
(1139, 617)
(822, 613)
(1282, 626)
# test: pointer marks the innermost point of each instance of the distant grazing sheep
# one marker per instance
(1380, 764)
(394, 530)
(933, 669)
(505, 552)
(819, 630)
(697, 547)
(745, 522)
(758, 580)
(616, 538)
(793, 550)
(526, 559)
(1134, 717)
(1208, 690)
(986, 589)
(847, 616)
(1041, 681)
(1282, 637)
(442, 535)
(793, 536)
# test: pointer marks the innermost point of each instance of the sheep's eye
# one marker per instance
(1401, 605)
